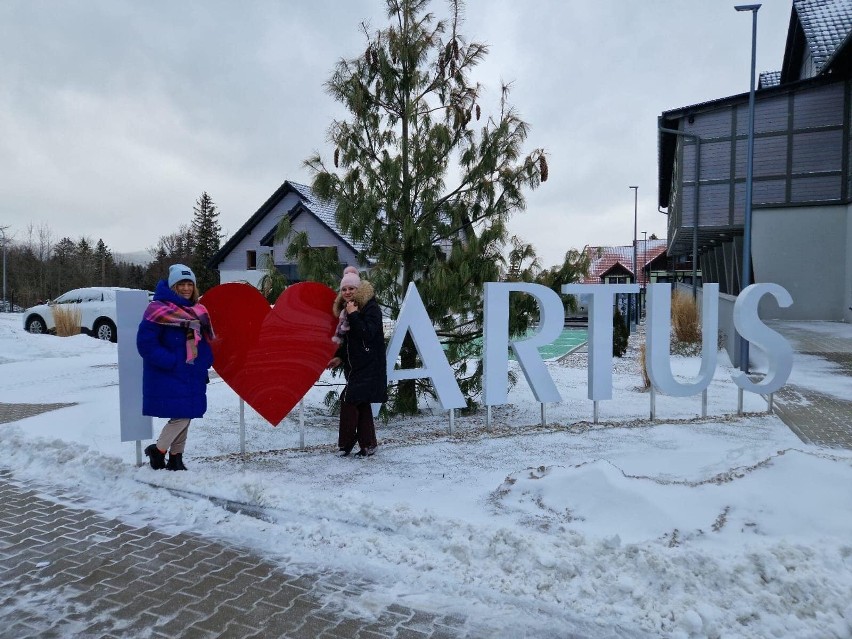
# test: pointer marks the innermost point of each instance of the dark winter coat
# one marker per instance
(170, 386)
(363, 349)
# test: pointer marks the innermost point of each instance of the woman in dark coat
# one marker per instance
(174, 342)
(362, 354)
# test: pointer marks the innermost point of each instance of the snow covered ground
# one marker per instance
(685, 527)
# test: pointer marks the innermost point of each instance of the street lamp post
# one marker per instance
(644, 264)
(3, 231)
(746, 266)
(635, 233)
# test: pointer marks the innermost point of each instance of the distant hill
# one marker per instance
(142, 258)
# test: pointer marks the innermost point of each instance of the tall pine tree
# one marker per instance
(423, 179)
(206, 235)
(104, 263)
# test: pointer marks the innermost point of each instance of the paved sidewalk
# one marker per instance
(14, 412)
(817, 418)
(70, 572)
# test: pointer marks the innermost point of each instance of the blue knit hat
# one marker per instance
(180, 272)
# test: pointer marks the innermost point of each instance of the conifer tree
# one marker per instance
(104, 262)
(206, 236)
(423, 179)
(84, 263)
(63, 258)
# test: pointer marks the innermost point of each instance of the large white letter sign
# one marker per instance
(600, 333)
(657, 359)
(413, 318)
(777, 349)
(129, 308)
(495, 353)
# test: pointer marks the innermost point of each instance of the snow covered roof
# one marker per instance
(323, 210)
(769, 79)
(826, 25)
(605, 258)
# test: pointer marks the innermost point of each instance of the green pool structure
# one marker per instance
(570, 339)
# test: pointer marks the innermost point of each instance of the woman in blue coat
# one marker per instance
(174, 342)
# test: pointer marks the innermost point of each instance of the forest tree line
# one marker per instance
(39, 267)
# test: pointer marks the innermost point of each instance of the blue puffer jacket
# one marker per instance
(171, 387)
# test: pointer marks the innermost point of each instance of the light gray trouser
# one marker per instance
(173, 436)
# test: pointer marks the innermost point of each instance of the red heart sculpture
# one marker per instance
(271, 357)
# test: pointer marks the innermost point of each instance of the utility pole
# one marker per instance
(635, 233)
(6, 306)
(644, 263)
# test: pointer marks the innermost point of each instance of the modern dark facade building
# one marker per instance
(802, 178)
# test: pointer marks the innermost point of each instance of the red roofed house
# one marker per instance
(614, 265)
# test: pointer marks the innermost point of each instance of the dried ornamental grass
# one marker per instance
(646, 381)
(67, 319)
(685, 321)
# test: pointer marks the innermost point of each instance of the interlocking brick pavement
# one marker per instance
(66, 571)
(817, 418)
(14, 412)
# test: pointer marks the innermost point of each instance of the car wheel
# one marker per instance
(35, 324)
(105, 330)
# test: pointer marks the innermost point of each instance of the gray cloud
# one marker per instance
(117, 114)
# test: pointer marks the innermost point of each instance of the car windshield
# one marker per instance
(80, 295)
(67, 298)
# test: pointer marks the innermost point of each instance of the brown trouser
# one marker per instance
(356, 424)
(173, 436)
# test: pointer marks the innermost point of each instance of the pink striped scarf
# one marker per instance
(194, 319)
(342, 327)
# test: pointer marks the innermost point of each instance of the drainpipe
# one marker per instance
(697, 139)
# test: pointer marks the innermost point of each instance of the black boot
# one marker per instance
(155, 457)
(175, 462)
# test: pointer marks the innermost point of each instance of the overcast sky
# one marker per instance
(116, 114)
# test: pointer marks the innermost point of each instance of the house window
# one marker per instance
(251, 260)
(329, 251)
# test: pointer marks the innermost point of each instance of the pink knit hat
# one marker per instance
(350, 277)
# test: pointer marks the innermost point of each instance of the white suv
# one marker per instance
(97, 312)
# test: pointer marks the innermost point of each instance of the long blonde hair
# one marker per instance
(192, 298)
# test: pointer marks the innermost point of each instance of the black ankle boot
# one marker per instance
(155, 457)
(175, 462)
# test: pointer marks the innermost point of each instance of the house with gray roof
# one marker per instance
(802, 179)
(243, 257)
